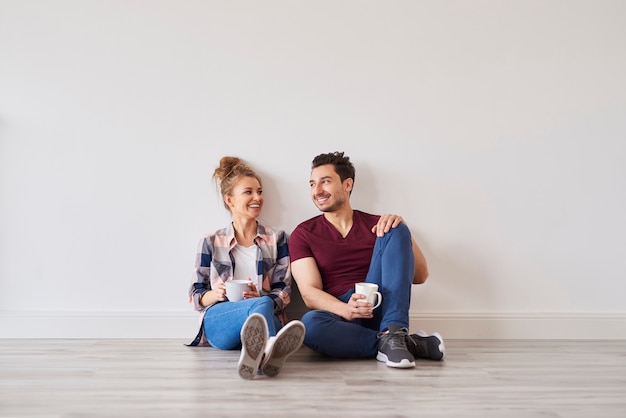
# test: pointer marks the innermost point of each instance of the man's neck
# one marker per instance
(341, 219)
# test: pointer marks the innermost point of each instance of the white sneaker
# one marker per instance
(253, 338)
(288, 340)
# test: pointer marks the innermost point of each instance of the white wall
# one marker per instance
(497, 129)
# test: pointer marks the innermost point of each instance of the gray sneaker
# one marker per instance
(288, 340)
(254, 335)
(425, 346)
(392, 349)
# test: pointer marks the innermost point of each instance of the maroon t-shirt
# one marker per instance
(342, 261)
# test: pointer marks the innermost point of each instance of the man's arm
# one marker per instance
(307, 275)
(421, 268)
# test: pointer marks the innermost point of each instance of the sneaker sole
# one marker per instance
(253, 338)
(441, 347)
(404, 364)
(288, 340)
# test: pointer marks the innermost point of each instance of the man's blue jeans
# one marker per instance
(223, 321)
(391, 268)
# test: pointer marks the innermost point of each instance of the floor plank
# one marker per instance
(164, 378)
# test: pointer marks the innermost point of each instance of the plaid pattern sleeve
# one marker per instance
(200, 283)
(274, 266)
(213, 264)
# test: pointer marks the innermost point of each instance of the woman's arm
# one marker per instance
(280, 274)
(201, 294)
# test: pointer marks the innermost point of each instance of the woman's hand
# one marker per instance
(220, 292)
(253, 292)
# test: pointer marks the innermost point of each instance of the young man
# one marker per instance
(333, 251)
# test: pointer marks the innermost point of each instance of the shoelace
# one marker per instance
(397, 339)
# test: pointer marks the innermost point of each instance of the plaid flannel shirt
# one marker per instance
(215, 264)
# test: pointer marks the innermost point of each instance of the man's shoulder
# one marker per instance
(309, 223)
(364, 215)
(307, 229)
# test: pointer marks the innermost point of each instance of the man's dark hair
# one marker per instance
(342, 164)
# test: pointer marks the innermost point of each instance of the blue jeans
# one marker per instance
(391, 268)
(224, 320)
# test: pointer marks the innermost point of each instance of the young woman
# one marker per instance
(245, 250)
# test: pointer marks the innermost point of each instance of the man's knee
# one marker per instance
(313, 319)
(316, 323)
(400, 235)
(401, 232)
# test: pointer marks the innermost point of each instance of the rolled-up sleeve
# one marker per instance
(201, 282)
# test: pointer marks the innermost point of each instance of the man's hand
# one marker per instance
(385, 223)
(358, 307)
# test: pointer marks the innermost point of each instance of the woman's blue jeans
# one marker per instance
(224, 320)
(391, 268)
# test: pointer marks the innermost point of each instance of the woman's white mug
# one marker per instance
(235, 289)
(370, 290)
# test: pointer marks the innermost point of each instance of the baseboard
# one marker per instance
(97, 324)
(184, 325)
(544, 326)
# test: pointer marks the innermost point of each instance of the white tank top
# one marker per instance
(246, 264)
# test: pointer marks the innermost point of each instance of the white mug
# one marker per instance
(370, 290)
(235, 289)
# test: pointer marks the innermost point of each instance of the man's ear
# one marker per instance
(349, 183)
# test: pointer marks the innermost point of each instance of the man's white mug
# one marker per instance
(370, 290)
(235, 289)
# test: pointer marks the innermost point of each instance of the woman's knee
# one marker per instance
(262, 304)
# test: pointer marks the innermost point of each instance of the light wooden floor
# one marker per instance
(163, 378)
